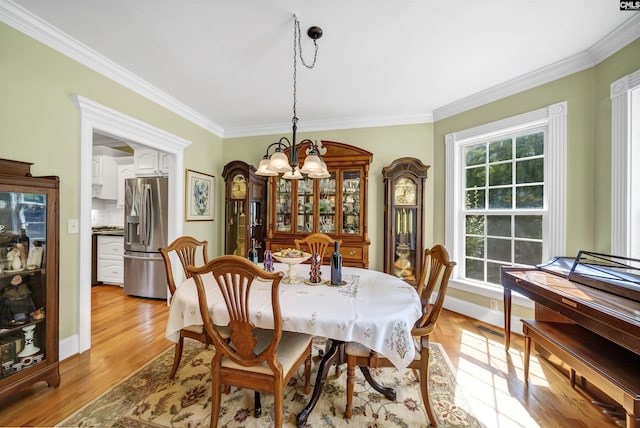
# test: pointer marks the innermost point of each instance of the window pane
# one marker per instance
(476, 154)
(530, 145)
(493, 273)
(475, 199)
(500, 150)
(528, 197)
(528, 252)
(499, 249)
(499, 225)
(500, 198)
(530, 171)
(474, 225)
(528, 226)
(474, 246)
(474, 269)
(476, 177)
(500, 174)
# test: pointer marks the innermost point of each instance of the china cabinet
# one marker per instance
(245, 209)
(403, 217)
(336, 206)
(28, 278)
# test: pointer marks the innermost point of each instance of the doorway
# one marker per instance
(95, 117)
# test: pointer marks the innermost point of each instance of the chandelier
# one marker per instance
(277, 162)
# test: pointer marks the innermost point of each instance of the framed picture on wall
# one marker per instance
(199, 196)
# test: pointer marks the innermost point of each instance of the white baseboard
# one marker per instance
(68, 347)
(482, 313)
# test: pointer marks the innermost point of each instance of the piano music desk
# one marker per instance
(608, 366)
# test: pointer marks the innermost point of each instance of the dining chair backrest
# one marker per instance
(187, 249)
(235, 277)
(317, 243)
(434, 278)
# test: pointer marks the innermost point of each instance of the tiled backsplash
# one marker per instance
(106, 213)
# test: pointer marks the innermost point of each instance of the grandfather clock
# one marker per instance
(245, 209)
(403, 217)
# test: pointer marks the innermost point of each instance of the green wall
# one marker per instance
(40, 124)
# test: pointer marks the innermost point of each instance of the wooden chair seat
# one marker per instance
(289, 349)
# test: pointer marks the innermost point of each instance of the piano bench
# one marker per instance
(608, 366)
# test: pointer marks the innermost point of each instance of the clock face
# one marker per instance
(404, 192)
(238, 187)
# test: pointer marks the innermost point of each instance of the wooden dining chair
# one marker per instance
(187, 250)
(252, 358)
(317, 243)
(434, 278)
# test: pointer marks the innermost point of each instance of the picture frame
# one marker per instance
(199, 194)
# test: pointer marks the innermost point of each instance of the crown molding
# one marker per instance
(33, 26)
(328, 125)
(610, 44)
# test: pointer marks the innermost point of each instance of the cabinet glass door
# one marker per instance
(351, 202)
(283, 205)
(327, 204)
(305, 205)
(23, 233)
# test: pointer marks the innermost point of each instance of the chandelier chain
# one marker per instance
(297, 50)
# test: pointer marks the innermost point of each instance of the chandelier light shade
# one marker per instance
(278, 162)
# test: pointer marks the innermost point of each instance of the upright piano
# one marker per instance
(599, 293)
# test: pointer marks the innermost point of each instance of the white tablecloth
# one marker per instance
(374, 308)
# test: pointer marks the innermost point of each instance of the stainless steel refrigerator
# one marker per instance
(145, 231)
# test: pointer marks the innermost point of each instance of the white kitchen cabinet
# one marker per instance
(104, 172)
(125, 170)
(150, 162)
(110, 268)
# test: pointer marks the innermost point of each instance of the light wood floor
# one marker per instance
(127, 332)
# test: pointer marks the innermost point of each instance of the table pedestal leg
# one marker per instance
(389, 393)
(329, 358)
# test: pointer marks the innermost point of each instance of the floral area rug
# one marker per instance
(148, 398)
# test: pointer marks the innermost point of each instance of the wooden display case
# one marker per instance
(245, 209)
(336, 206)
(403, 217)
(29, 287)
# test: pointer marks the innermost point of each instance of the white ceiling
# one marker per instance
(379, 61)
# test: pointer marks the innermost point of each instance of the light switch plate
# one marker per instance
(72, 225)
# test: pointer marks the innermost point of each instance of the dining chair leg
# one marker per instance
(351, 378)
(307, 374)
(216, 395)
(176, 357)
(278, 405)
(424, 386)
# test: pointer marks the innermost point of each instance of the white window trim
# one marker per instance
(554, 118)
(622, 157)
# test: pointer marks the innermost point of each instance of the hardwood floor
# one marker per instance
(127, 332)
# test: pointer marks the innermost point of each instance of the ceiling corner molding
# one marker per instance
(329, 125)
(610, 44)
(40, 30)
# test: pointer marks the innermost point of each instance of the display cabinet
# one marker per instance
(403, 217)
(246, 209)
(28, 278)
(336, 206)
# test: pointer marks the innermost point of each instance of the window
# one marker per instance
(505, 194)
(625, 151)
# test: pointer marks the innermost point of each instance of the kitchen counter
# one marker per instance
(100, 231)
(109, 231)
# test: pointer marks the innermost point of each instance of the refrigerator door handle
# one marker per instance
(150, 256)
(145, 218)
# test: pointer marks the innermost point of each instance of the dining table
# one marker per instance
(370, 307)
